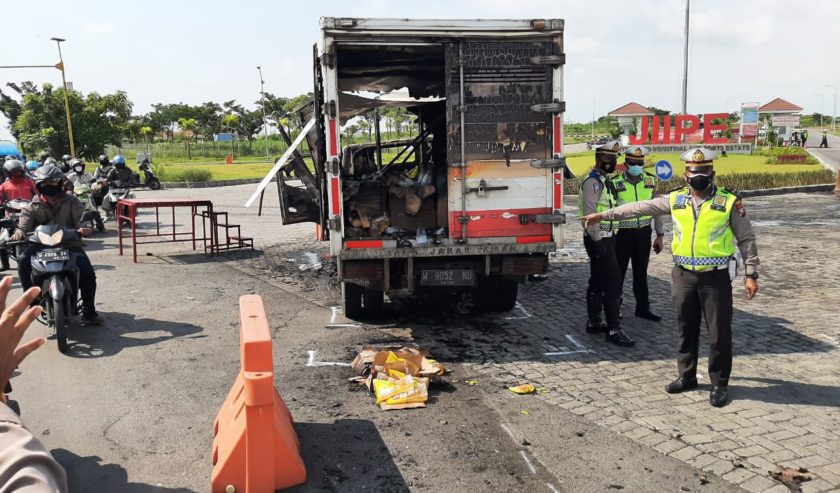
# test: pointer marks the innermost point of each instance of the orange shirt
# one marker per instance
(22, 188)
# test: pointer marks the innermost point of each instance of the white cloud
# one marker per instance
(99, 28)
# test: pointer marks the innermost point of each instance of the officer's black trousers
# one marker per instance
(708, 294)
(633, 244)
(604, 282)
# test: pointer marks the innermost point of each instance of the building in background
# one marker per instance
(784, 116)
(629, 116)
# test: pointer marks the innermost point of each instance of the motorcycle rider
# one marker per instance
(104, 167)
(78, 176)
(51, 206)
(43, 156)
(17, 187)
(66, 163)
(31, 166)
(119, 176)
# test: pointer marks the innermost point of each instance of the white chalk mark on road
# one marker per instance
(829, 338)
(342, 326)
(510, 433)
(525, 313)
(312, 361)
(579, 348)
(528, 462)
(552, 488)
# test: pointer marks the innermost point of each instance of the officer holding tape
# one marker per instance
(633, 241)
(708, 222)
(597, 194)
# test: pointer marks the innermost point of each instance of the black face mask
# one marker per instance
(699, 182)
(607, 166)
(50, 190)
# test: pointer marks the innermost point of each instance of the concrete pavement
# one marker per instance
(829, 157)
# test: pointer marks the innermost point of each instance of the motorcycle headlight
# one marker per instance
(50, 240)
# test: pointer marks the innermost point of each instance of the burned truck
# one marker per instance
(472, 200)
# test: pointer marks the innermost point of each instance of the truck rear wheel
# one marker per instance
(352, 294)
(506, 293)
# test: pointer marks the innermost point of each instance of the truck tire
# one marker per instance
(374, 299)
(506, 293)
(352, 294)
(484, 295)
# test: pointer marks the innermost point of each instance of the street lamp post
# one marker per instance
(593, 116)
(822, 107)
(834, 115)
(60, 66)
(685, 62)
(265, 123)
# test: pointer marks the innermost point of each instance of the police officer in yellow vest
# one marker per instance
(633, 241)
(597, 194)
(708, 223)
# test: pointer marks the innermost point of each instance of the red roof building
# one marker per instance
(779, 105)
(631, 109)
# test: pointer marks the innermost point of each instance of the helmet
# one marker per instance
(77, 162)
(118, 160)
(66, 158)
(51, 160)
(47, 172)
(103, 160)
(11, 157)
(13, 166)
(43, 156)
(32, 165)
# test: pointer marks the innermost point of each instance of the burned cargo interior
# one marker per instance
(394, 189)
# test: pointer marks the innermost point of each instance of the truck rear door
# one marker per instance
(504, 112)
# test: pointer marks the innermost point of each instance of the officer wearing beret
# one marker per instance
(633, 241)
(597, 194)
(708, 223)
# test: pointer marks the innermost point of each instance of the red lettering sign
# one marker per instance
(685, 128)
(708, 127)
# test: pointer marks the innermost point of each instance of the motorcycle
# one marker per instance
(11, 217)
(54, 270)
(149, 178)
(85, 194)
(116, 191)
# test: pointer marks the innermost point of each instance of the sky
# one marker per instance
(616, 51)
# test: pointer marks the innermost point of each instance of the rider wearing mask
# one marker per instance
(66, 161)
(120, 176)
(51, 206)
(18, 186)
(78, 176)
(104, 167)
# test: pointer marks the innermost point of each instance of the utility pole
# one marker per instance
(593, 116)
(60, 66)
(834, 115)
(822, 107)
(265, 122)
(685, 62)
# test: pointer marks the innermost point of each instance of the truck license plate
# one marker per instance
(447, 277)
(49, 256)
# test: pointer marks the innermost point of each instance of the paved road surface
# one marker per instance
(829, 157)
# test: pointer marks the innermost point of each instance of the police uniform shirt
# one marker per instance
(660, 206)
(591, 190)
(658, 222)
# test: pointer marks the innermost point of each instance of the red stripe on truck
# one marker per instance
(558, 191)
(333, 138)
(364, 244)
(335, 196)
(558, 135)
(502, 222)
(534, 239)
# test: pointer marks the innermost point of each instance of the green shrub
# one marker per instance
(772, 154)
(183, 175)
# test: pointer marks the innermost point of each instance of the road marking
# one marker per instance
(525, 313)
(312, 361)
(580, 348)
(335, 310)
(341, 326)
(552, 488)
(528, 461)
(510, 433)
(833, 341)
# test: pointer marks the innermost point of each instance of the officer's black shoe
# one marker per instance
(680, 385)
(649, 315)
(619, 338)
(719, 396)
(595, 327)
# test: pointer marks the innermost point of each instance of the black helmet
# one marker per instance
(43, 156)
(13, 166)
(47, 172)
(103, 160)
(66, 158)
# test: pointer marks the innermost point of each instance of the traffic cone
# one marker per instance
(255, 449)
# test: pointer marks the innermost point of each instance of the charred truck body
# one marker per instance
(474, 200)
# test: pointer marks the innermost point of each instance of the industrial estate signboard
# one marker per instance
(675, 129)
(785, 120)
(749, 119)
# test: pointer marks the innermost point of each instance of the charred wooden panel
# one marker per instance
(501, 83)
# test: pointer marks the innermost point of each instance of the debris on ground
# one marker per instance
(399, 376)
(790, 477)
(525, 388)
(471, 382)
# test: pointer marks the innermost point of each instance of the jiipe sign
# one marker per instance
(670, 129)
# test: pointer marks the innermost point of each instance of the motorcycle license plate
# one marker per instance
(447, 277)
(50, 256)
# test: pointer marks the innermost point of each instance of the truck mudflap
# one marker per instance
(382, 249)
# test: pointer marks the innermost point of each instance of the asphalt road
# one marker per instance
(829, 157)
(130, 408)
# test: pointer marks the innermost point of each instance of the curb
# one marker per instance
(828, 187)
(210, 184)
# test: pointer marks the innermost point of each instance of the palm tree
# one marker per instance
(187, 125)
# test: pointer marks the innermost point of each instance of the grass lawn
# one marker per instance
(734, 163)
(221, 171)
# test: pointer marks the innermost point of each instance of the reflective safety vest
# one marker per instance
(703, 238)
(606, 201)
(634, 192)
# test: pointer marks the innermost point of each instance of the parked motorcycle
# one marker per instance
(85, 194)
(54, 270)
(149, 178)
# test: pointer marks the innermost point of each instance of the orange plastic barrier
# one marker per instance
(255, 449)
(229, 159)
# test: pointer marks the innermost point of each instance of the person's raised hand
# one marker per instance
(14, 321)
